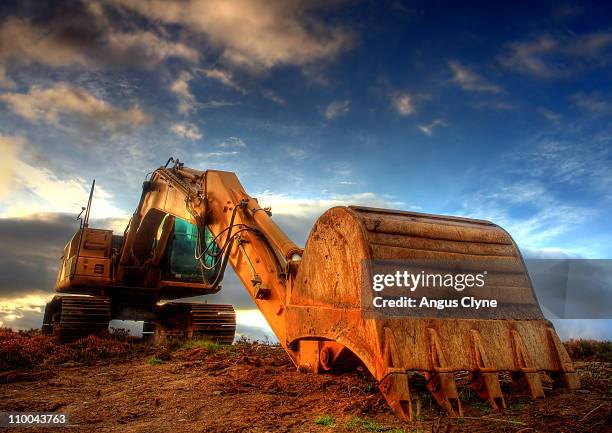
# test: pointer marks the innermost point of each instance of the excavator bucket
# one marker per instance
(328, 323)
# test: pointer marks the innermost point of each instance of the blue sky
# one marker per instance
(501, 113)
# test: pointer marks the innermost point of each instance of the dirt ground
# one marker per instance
(253, 388)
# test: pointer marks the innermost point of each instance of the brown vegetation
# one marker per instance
(114, 383)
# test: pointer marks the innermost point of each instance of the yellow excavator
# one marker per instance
(190, 224)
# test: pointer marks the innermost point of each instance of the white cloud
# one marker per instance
(203, 156)
(549, 253)
(9, 148)
(548, 219)
(550, 115)
(256, 34)
(180, 87)
(337, 109)
(549, 57)
(42, 191)
(527, 57)
(38, 190)
(233, 142)
(52, 104)
(23, 43)
(428, 129)
(495, 105)
(296, 215)
(269, 94)
(149, 48)
(403, 103)
(558, 161)
(188, 131)
(224, 77)
(295, 152)
(214, 103)
(299, 206)
(24, 312)
(592, 102)
(470, 80)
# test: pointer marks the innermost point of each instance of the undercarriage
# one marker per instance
(70, 317)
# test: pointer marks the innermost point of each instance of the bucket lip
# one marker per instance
(422, 214)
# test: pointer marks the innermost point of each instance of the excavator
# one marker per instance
(190, 224)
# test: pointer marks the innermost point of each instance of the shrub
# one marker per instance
(154, 360)
(325, 420)
(589, 350)
(31, 349)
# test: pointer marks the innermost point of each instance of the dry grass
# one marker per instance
(589, 350)
(26, 350)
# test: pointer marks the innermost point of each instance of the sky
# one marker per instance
(500, 113)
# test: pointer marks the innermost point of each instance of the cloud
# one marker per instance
(470, 80)
(36, 189)
(31, 251)
(269, 94)
(32, 247)
(224, 77)
(188, 131)
(216, 154)
(548, 253)
(527, 57)
(580, 328)
(299, 206)
(53, 104)
(233, 142)
(81, 36)
(29, 262)
(549, 57)
(180, 87)
(403, 103)
(556, 160)
(9, 147)
(214, 103)
(550, 115)
(429, 128)
(495, 105)
(548, 217)
(296, 215)
(337, 109)
(593, 103)
(252, 324)
(539, 197)
(255, 34)
(145, 48)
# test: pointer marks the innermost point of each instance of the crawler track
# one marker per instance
(216, 323)
(73, 317)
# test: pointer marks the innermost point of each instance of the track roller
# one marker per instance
(214, 322)
(73, 317)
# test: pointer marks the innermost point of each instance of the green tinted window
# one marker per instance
(183, 265)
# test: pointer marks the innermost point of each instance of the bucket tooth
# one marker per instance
(444, 390)
(308, 356)
(528, 374)
(394, 383)
(441, 383)
(568, 373)
(485, 379)
(394, 387)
